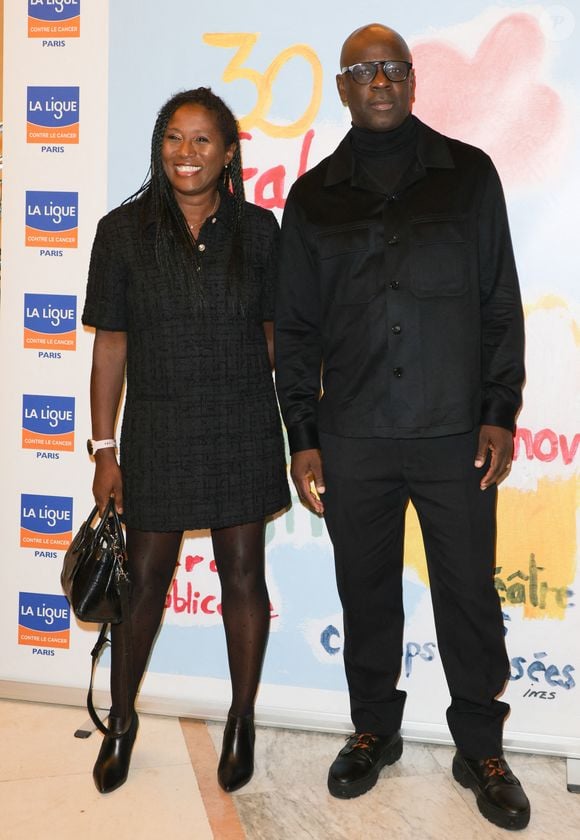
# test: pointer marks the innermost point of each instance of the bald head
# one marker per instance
(380, 104)
(372, 32)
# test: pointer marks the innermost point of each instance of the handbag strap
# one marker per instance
(111, 513)
(102, 640)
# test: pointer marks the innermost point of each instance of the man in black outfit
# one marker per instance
(399, 345)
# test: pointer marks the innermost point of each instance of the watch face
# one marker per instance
(90, 446)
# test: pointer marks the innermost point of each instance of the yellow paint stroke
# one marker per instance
(264, 82)
(548, 302)
(536, 547)
(541, 523)
(414, 551)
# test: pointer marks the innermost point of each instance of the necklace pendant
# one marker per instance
(198, 227)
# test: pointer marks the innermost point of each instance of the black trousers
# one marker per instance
(369, 483)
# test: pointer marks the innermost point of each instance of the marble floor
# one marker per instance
(47, 793)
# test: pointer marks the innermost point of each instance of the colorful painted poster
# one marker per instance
(502, 77)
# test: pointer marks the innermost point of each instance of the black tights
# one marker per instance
(239, 556)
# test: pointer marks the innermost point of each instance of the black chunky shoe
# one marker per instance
(236, 765)
(499, 794)
(357, 766)
(112, 765)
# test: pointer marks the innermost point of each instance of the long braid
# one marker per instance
(175, 250)
(237, 262)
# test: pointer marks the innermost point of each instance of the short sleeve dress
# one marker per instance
(201, 441)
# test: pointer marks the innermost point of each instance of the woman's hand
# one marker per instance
(107, 481)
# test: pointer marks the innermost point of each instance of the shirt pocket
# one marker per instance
(439, 258)
(347, 260)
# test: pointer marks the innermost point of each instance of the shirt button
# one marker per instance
(398, 372)
(394, 240)
(394, 284)
(201, 247)
(396, 329)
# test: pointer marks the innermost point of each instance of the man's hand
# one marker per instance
(306, 468)
(500, 443)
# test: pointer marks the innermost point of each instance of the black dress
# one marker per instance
(201, 442)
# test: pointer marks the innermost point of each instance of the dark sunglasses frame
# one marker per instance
(376, 65)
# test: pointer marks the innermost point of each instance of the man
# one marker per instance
(399, 339)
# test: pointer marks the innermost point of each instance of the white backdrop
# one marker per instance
(84, 83)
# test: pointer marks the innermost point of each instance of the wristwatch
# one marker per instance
(94, 445)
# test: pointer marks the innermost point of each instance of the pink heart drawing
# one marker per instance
(495, 100)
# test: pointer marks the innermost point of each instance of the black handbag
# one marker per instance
(93, 571)
(95, 581)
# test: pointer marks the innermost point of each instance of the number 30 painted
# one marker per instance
(245, 42)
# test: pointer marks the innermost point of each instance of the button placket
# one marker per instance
(394, 240)
(396, 254)
(201, 246)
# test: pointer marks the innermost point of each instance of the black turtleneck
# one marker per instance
(381, 157)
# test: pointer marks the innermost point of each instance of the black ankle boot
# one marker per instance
(237, 759)
(112, 765)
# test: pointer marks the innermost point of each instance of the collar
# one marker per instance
(432, 152)
(223, 214)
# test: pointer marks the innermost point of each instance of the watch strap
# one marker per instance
(94, 445)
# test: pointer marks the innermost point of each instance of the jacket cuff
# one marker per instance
(304, 436)
(498, 415)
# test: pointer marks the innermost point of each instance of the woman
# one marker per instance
(180, 292)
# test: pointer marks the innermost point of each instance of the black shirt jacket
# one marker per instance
(398, 316)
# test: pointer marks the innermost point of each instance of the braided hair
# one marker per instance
(175, 250)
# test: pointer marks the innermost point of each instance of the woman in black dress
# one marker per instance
(180, 292)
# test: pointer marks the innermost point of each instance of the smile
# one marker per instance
(186, 169)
